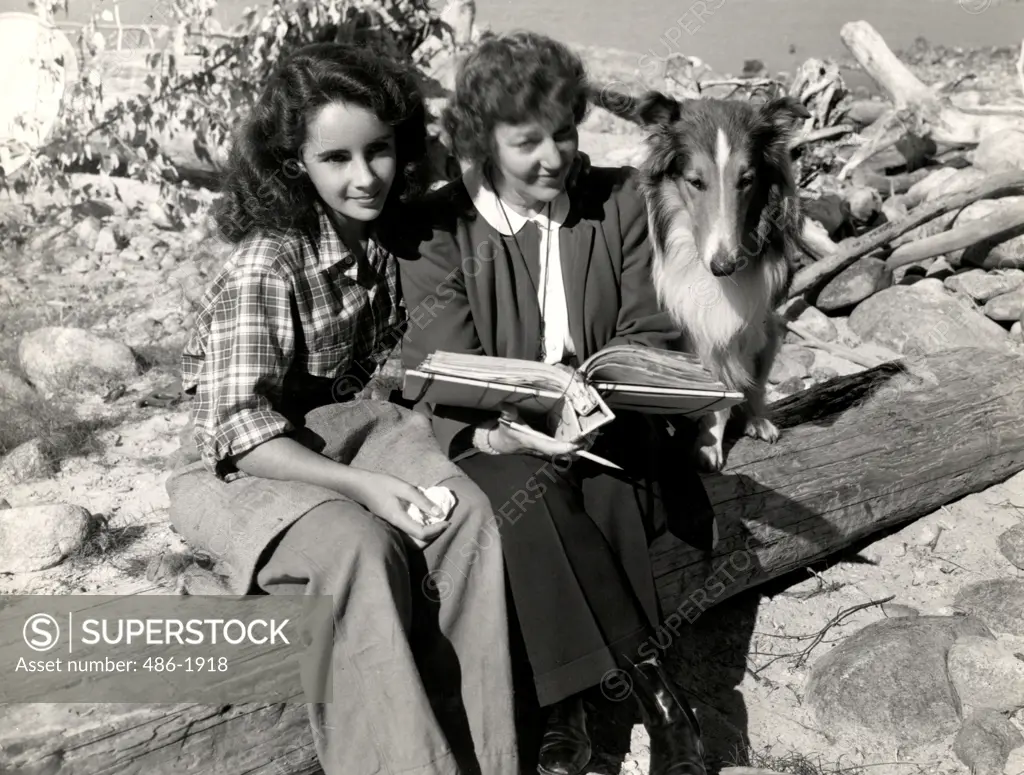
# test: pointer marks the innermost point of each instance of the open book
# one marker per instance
(574, 403)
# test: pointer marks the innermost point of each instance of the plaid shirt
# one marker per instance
(285, 323)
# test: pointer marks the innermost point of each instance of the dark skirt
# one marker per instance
(575, 535)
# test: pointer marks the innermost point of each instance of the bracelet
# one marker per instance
(484, 441)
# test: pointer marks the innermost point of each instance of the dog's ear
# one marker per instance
(656, 109)
(783, 114)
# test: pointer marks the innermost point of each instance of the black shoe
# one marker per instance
(676, 747)
(565, 748)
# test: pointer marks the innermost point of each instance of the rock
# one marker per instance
(896, 610)
(1011, 545)
(887, 683)
(1017, 331)
(1007, 254)
(160, 217)
(787, 367)
(4, 504)
(997, 602)
(853, 285)
(982, 286)
(985, 741)
(25, 463)
(190, 281)
(84, 264)
(1007, 307)
(106, 242)
(790, 386)
(823, 373)
(87, 232)
(1000, 151)
(961, 180)
(818, 324)
(96, 208)
(920, 319)
(895, 207)
(864, 203)
(38, 537)
(986, 675)
(923, 189)
(940, 268)
(56, 357)
(14, 388)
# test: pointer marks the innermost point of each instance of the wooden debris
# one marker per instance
(812, 278)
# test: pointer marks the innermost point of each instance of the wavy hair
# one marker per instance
(512, 79)
(265, 187)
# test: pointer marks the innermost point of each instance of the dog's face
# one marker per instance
(726, 162)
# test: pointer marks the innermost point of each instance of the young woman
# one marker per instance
(522, 262)
(300, 489)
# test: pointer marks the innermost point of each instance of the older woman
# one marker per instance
(532, 254)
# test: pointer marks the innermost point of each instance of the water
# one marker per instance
(721, 32)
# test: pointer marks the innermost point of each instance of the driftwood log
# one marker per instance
(813, 278)
(858, 454)
(916, 107)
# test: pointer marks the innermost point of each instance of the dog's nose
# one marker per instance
(723, 265)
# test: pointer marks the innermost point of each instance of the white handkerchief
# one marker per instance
(442, 496)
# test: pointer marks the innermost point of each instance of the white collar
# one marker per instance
(488, 204)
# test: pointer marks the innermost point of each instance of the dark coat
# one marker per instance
(469, 289)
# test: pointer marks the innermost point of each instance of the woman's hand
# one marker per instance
(389, 497)
(509, 441)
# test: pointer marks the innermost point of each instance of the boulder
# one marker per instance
(56, 358)
(854, 284)
(887, 683)
(38, 537)
(1011, 545)
(999, 603)
(25, 463)
(985, 741)
(986, 675)
(982, 286)
(1000, 151)
(920, 319)
(1007, 307)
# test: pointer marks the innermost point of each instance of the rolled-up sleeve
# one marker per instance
(250, 349)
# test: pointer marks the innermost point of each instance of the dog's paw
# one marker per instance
(710, 459)
(761, 428)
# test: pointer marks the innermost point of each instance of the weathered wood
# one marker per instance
(814, 277)
(130, 739)
(934, 113)
(857, 455)
(1002, 223)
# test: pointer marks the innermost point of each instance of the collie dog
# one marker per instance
(723, 224)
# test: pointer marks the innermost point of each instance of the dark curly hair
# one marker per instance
(265, 188)
(511, 79)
